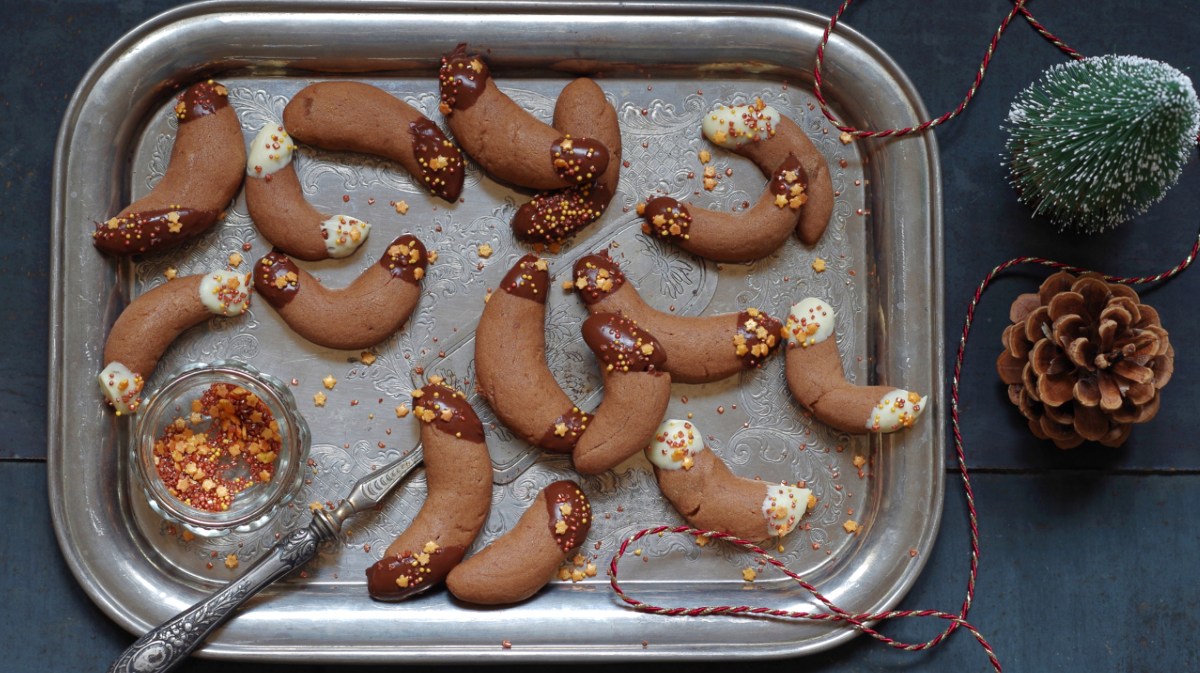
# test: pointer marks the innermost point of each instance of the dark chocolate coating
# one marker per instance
(276, 278)
(566, 502)
(620, 345)
(602, 275)
(527, 279)
(404, 256)
(200, 100)
(451, 412)
(462, 78)
(142, 231)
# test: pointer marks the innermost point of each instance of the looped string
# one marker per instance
(835, 613)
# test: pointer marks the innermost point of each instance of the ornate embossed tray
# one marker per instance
(662, 66)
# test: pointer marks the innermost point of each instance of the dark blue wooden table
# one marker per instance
(1088, 556)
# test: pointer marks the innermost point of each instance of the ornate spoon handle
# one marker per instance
(167, 646)
(164, 648)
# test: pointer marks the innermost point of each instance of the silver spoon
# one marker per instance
(164, 648)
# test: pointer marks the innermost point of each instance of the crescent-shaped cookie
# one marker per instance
(636, 392)
(358, 117)
(510, 362)
(281, 213)
(700, 486)
(523, 560)
(512, 375)
(508, 142)
(817, 380)
(203, 175)
(699, 349)
(362, 314)
(153, 320)
(798, 196)
(550, 217)
(458, 471)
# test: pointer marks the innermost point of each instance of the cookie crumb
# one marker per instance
(705, 156)
(401, 207)
(402, 411)
(231, 561)
(485, 250)
(850, 526)
(329, 382)
(846, 138)
(818, 265)
(170, 273)
(749, 574)
(235, 259)
(367, 358)
(319, 399)
(859, 461)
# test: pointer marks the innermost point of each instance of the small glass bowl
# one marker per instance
(251, 508)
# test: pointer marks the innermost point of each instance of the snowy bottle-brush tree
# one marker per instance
(1096, 142)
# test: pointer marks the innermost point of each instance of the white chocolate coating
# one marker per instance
(675, 445)
(897, 410)
(734, 126)
(225, 292)
(343, 234)
(810, 322)
(121, 387)
(270, 151)
(783, 506)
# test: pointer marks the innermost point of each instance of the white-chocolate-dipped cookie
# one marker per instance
(709, 496)
(153, 320)
(281, 213)
(818, 382)
(798, 196)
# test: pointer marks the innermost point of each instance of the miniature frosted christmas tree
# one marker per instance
(1098, 141)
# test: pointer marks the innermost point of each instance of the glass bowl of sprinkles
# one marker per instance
(220, 448)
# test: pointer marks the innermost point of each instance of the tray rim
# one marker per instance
(83, 573)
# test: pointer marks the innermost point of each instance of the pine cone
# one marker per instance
(1084, 360)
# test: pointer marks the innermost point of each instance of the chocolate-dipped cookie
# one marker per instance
(699, 349)
(362, 314)
(508, 142)
(523, 560)
(358, 117)
(458, 472)
(203, 175)
(798, 196)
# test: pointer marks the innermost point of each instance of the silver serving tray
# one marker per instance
(662, 66)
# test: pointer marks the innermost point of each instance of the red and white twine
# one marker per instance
(861, 621)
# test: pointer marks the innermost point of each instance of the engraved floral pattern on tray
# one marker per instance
(750, 419)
